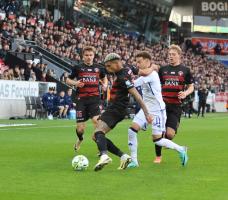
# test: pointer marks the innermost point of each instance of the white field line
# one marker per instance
(51, 126)
(38, 127)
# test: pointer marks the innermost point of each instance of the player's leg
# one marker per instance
(203, 108)
(199, 108)
(66, 107)
(60, 109)
(81, 118)
(93, 110)
(139, 122)
(158, 128)
(172, 124)
(108, 121)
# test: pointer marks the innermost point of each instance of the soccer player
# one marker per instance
(174, 79)
(152, 97)
(116, 111)
(88, 76)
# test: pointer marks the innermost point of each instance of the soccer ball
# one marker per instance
(80, 163)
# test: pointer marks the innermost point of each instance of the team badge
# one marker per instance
(128, 83)
(129, 72)
(180, 73)
(96, 70)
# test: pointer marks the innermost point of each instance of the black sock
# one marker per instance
(80, 135)
(113, 148)
(101, 142)
(158, 150)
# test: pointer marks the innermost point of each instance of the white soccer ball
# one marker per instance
(80, 163)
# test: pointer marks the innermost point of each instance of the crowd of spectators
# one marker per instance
(66, 41)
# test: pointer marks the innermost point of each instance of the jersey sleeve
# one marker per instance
(146, 79)
(160, 73)
(127, 79)
(138, 82)
(188, 77)
(102, 73)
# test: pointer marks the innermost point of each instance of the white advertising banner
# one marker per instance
(18, 89)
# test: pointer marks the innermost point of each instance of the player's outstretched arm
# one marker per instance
(184, 94)
(139, 99)
(71, 82)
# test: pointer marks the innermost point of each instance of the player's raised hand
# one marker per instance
(182, 95)
(79, 84)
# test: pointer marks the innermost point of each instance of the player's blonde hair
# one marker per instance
(175, 48)
(88, 48)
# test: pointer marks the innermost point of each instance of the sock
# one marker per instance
(80, 135)
(158, 150)
(168, 144)
(101, 142)
(133, 143)
(113, 148)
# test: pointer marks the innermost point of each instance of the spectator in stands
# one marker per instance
(44, 77)
(32, 77)
(218, 49)
(17, 73)
(28, 71)
(48, 102)
(5, 75)
(64, 77)
(22, 73)
(4, 51)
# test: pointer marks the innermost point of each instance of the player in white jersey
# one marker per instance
(152, 97)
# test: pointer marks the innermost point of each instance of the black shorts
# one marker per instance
(173, 116)
(112, 117)
(87, 108)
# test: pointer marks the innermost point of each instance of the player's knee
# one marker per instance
(157, 138)
(98, 135)
(133, 129)
(80, 134)
(169, 135)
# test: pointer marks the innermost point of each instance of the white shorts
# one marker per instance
(158, 124)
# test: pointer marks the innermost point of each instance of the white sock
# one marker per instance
(169, 144)
(133, 144)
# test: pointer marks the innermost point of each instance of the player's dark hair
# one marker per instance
(143, 54)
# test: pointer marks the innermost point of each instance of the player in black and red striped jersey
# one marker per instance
(116, 111)
(174, 79)
(87, 75)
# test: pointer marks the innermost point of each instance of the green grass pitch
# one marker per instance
(35, 164)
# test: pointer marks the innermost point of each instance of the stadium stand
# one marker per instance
(66, 42)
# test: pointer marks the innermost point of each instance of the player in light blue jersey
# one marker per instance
(152, 97)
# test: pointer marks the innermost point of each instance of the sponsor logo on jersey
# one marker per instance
(172, 73)
(181, 73)
(129, 72)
